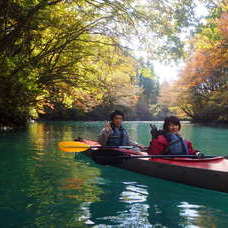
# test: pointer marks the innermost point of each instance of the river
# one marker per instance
(41, 186)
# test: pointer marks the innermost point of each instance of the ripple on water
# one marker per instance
(43, 187)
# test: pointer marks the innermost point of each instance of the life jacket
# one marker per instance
(177, 145)
(119, 137)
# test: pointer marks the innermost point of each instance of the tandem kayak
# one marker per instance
(209, 173)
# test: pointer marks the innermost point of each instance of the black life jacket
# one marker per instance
(118, 137)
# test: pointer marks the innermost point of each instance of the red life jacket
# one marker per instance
(159, 145)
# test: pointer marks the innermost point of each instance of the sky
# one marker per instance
(169, 72)
(165, 72)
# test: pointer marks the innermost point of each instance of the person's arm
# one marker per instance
(132, 143)
(137, 147)
(105, 133)
(191, 150)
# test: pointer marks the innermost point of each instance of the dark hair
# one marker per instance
(116, 113)
(171, 120)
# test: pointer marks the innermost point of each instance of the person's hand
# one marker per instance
(200, 154)
(141, 147)
(107, 126)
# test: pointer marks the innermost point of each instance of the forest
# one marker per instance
(201, 91)
(75, 59)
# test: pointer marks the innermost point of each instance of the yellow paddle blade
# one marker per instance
(73, 146)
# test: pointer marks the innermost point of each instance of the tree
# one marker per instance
(149, 84)
(51, 52)
(203, 82)
(45, 52)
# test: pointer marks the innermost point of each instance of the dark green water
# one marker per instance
(43, 187)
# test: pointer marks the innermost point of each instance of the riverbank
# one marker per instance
(88, 118)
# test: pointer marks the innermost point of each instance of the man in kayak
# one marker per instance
(169, 141)
(114, 134)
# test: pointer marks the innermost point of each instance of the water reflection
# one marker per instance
(138, 201)
(43, 187)
(133, 193)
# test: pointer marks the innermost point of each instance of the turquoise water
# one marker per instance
(41, 186)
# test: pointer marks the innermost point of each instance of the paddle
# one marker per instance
(76, 147)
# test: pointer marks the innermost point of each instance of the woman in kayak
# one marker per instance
(169, 141)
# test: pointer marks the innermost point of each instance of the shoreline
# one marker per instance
(214, 123)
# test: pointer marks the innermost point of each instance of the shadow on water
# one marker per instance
(43, 187)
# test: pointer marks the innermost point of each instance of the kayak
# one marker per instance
(209, 173)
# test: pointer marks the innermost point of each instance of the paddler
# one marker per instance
(169, 141)
(114, 134)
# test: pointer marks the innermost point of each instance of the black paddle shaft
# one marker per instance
(169, 156)
(154, 156)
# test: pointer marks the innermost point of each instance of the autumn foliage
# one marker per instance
(203, 83)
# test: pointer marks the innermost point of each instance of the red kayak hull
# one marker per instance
(209, 173)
